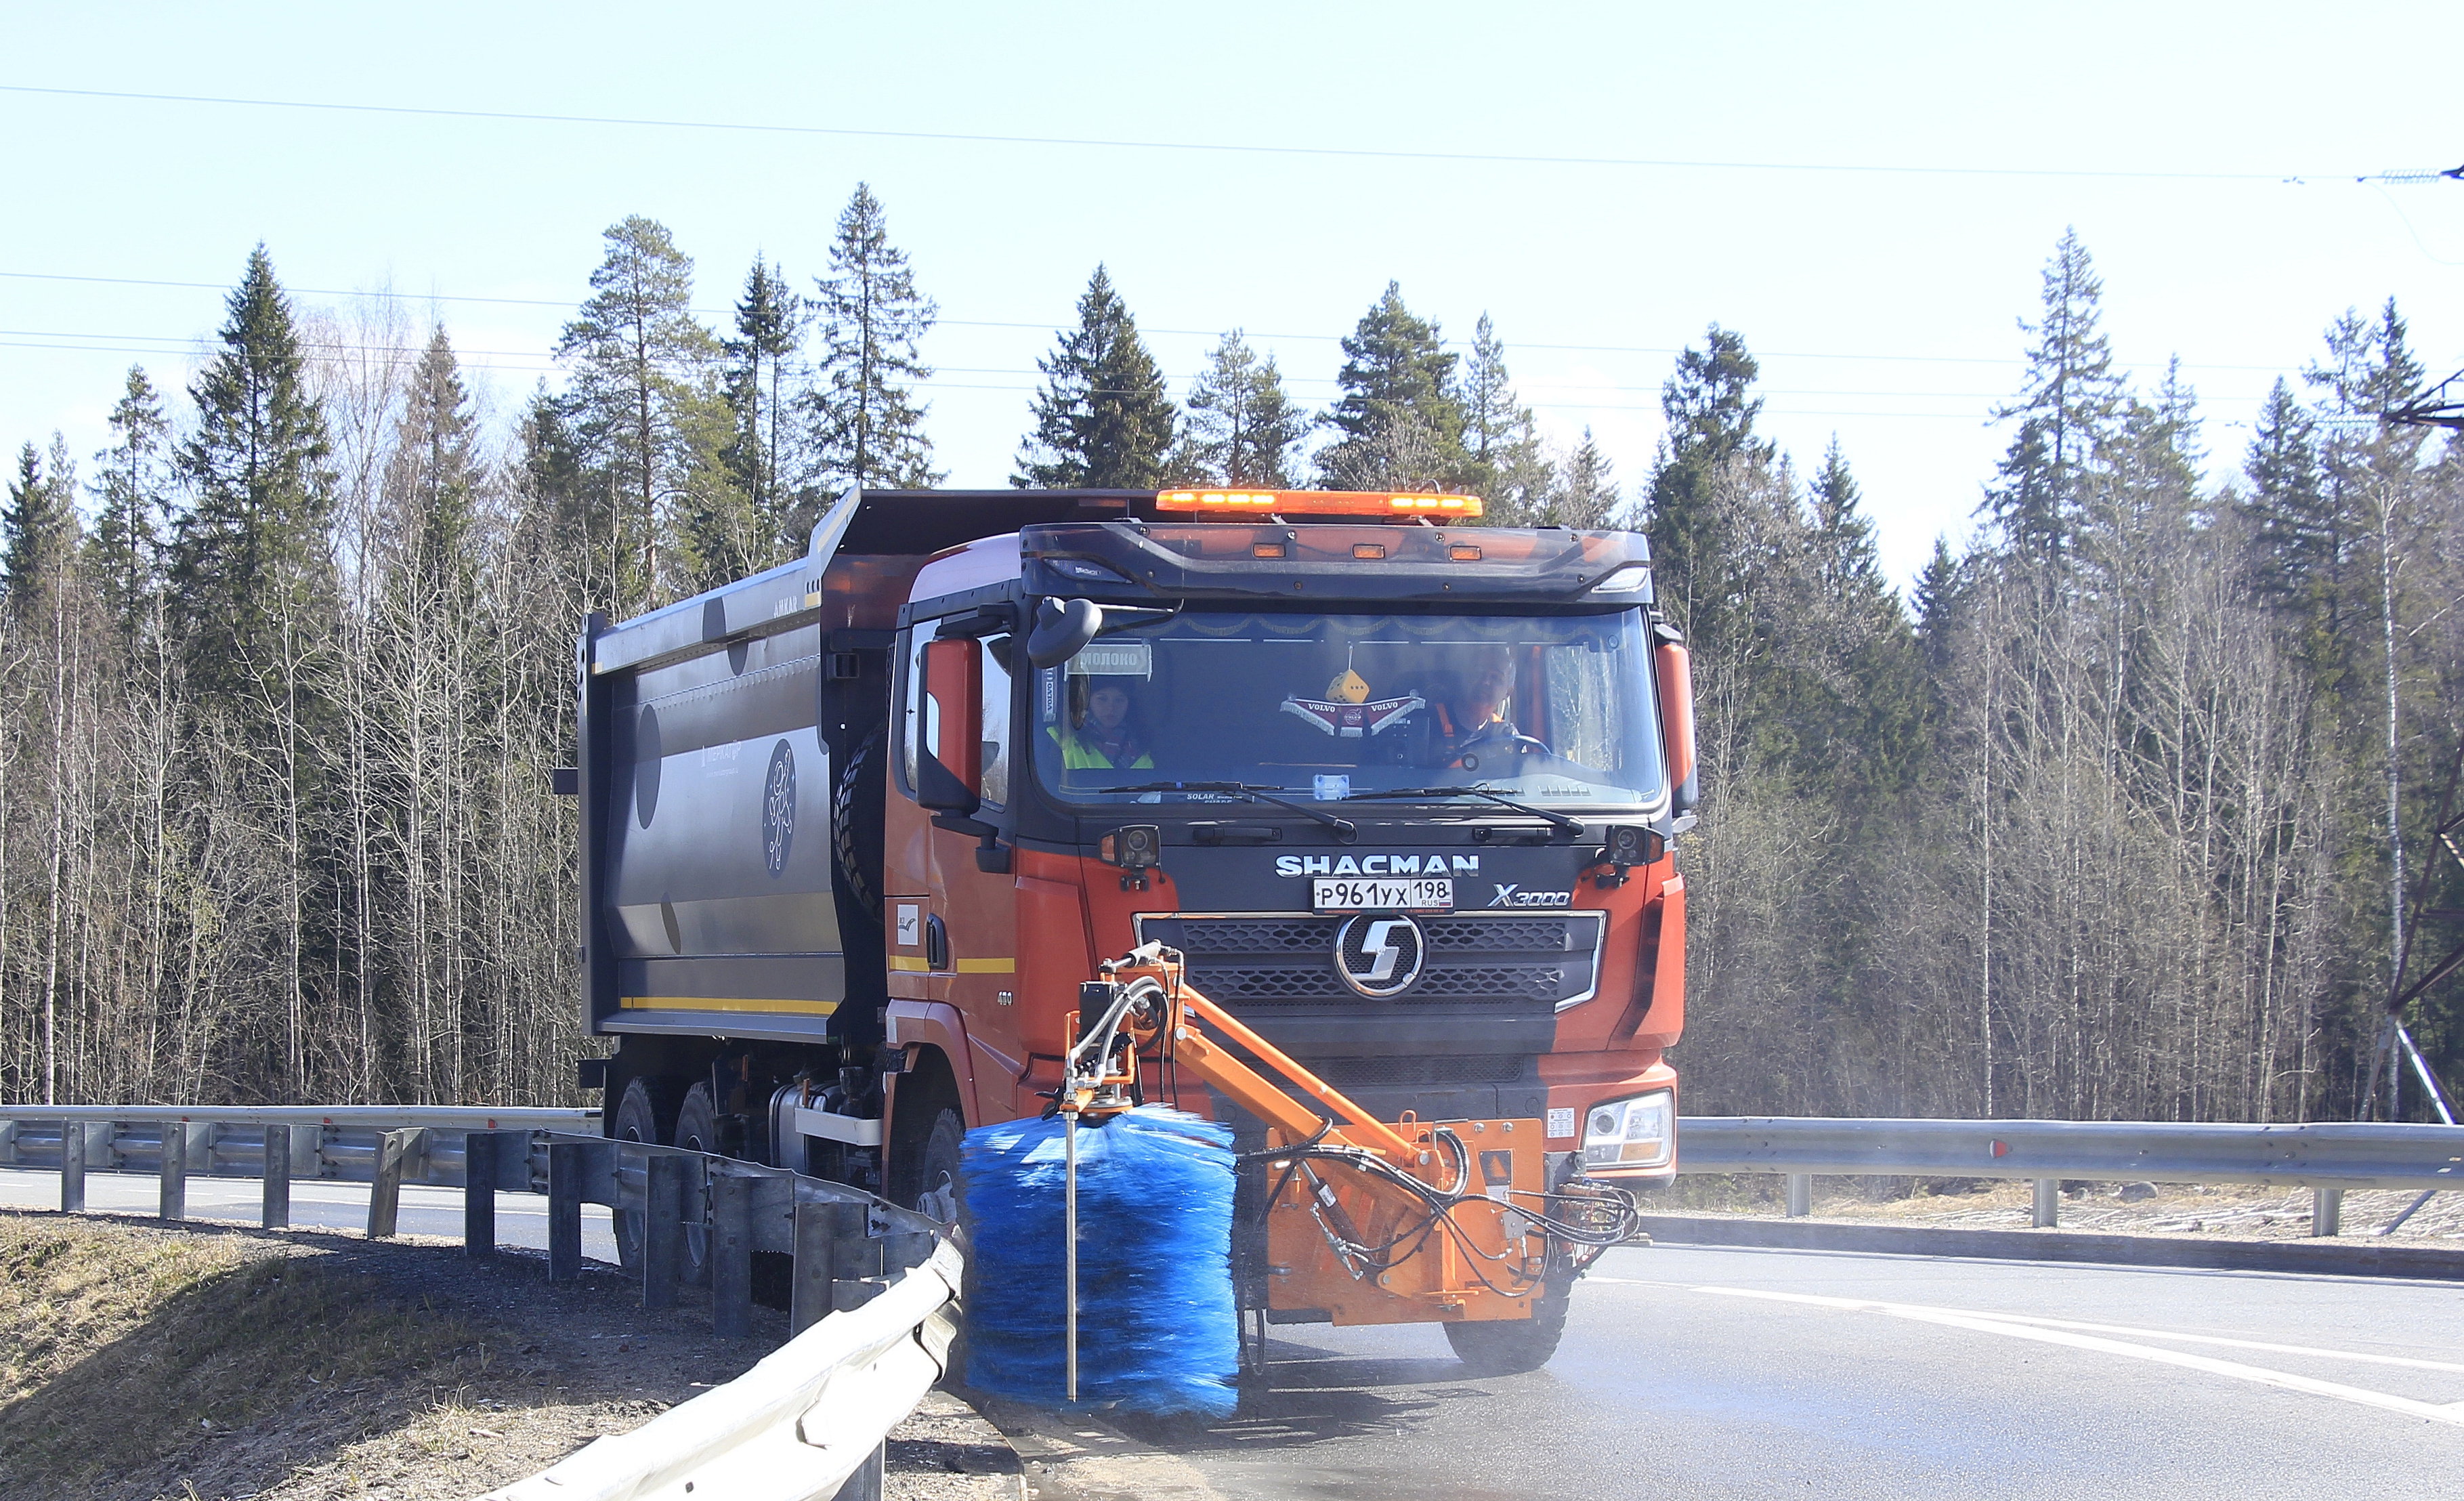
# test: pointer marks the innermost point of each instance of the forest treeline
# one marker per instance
(2096, 823)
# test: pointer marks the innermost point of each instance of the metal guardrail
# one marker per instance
(2327, 1156)
(872, 1286)
(799, 1427)
(381, 1145)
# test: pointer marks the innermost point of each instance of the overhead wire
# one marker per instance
(1258, 148)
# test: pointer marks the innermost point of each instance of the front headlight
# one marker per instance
(1641, 1131)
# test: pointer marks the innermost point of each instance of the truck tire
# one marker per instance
(855, 823)
(646, 1113)
(696, 1130)
(1509, 1347)
(936, 1192)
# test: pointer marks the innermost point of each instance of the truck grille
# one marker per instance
(1550, 960)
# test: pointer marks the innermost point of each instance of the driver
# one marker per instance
(1104, 734)
(1471, 710)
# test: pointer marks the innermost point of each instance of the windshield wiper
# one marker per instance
(1571, 826)
(1345, 828)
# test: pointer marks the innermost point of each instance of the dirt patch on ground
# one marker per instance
(2234, 1211)
(211, 1363)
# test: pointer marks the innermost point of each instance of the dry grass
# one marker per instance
(141, 1361)
(122, 1349)
(200, 1363)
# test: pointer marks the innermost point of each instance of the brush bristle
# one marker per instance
(1156, 1327)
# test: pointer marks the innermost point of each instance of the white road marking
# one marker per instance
(1991, 1324)
(2315, 1352)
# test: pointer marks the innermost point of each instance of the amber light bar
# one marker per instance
(1316, 502)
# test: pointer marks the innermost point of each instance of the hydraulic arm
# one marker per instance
(1461, 1220)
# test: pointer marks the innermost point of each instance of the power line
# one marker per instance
(1512, 159)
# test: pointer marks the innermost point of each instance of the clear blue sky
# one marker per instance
(1883, 303)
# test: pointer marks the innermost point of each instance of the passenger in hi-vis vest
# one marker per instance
(1103, 733)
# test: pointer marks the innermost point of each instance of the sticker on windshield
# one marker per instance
(1333, 789)
(1114, 659)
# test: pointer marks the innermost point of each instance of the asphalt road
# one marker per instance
(1734, 1373)
(315, 1203)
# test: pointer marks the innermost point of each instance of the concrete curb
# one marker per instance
(2324, 1257)
(1078, 1456)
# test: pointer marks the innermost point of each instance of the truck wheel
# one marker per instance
(937, 1184)
(646, 1112)
(1508, 1347)
(856, 823)
(696, 1130)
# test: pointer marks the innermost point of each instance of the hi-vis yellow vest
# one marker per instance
(1076, 754)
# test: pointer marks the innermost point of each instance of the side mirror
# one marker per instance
(1674, 667)
(949, 770)
(1062, 627)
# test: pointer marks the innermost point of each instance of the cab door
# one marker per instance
(952, 923)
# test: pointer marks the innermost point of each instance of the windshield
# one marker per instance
(1551, 710)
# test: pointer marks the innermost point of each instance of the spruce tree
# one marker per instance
(1587, 496)
(2298, 537)
(38, 532)
(133, 491)
(641, 389)
(1937, 603)
(1523, 481)
(1240, 428)
(432, 479)
(2066, 411)
(1842, 538)
(1103, 418)
(1710, 414)
(250, 567)
(769, 331)
(867, 428)
(1401, 418)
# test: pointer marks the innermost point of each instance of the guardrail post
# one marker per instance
(866, 1484)
(2326, 1211)
(816, 1274)
(174, 1203)
(9, 1143)
(384, 1195)
(731, 1256)
(565, 1164)
(278, 1177)
(479, 1193)
(1800, 1194)
(2049, 1204)
(664, 1178)
(72, 1168)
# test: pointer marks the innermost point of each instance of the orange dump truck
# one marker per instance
(1394, 792)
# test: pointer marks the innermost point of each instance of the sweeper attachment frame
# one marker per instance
(1466, 1223)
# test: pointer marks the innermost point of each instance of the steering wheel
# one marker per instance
(1517, 744)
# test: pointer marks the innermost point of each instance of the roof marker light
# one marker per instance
(1317, 502)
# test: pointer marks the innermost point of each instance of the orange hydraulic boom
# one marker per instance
(1457, 1220)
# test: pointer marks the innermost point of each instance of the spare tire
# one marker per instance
(855, 822)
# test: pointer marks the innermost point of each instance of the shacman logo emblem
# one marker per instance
(1380, 958)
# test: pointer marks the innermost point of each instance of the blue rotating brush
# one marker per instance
(1156, 1328)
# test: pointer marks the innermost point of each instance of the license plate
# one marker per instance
(1428, 893)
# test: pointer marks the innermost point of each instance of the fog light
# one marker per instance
(1132, 846)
